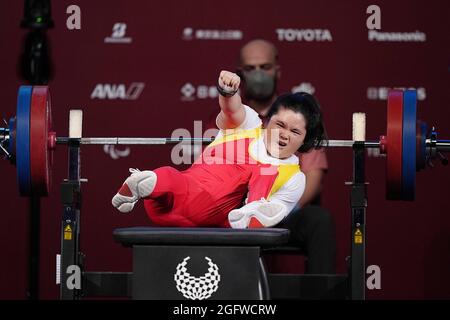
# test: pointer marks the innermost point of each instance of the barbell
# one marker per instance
(28, 142)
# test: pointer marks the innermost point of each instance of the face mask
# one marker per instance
(259, 85)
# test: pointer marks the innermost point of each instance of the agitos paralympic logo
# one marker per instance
(197, 288)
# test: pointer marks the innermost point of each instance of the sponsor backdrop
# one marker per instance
(145, 68)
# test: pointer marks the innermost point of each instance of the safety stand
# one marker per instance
(71, 257)
(358, 201)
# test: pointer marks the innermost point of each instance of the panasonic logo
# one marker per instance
(416, 36)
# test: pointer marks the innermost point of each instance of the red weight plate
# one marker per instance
(394, 145)
(39, 152)
(51, 139)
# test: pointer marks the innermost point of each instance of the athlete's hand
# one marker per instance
(229, 81)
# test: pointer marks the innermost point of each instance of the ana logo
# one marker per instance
(115, 153)
(118, 34)
(104, 91)
(190, 93)
(304, 87)
(197, 288)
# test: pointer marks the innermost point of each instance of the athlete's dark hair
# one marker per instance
(308, 106)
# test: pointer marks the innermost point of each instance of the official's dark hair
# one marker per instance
(308, 106)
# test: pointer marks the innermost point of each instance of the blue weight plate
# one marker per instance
(409, 145)
(23, 140)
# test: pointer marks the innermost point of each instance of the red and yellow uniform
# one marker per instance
(234, 168)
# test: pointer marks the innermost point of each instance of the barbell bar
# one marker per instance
(150, 141)
(28, 142)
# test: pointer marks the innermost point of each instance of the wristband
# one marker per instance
(225, 93)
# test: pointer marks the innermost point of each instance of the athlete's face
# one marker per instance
(285, 133)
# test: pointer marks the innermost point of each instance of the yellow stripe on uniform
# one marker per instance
(285, 172)
(237, 134)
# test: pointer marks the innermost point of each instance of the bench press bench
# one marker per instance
(216, 263)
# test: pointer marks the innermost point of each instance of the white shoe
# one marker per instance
(139, 184)
(257, 214)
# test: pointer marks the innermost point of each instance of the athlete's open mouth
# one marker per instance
(282, 144)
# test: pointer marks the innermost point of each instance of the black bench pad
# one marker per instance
(263, 237)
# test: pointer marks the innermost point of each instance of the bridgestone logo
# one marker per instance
(416, 36)
(304, 35)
